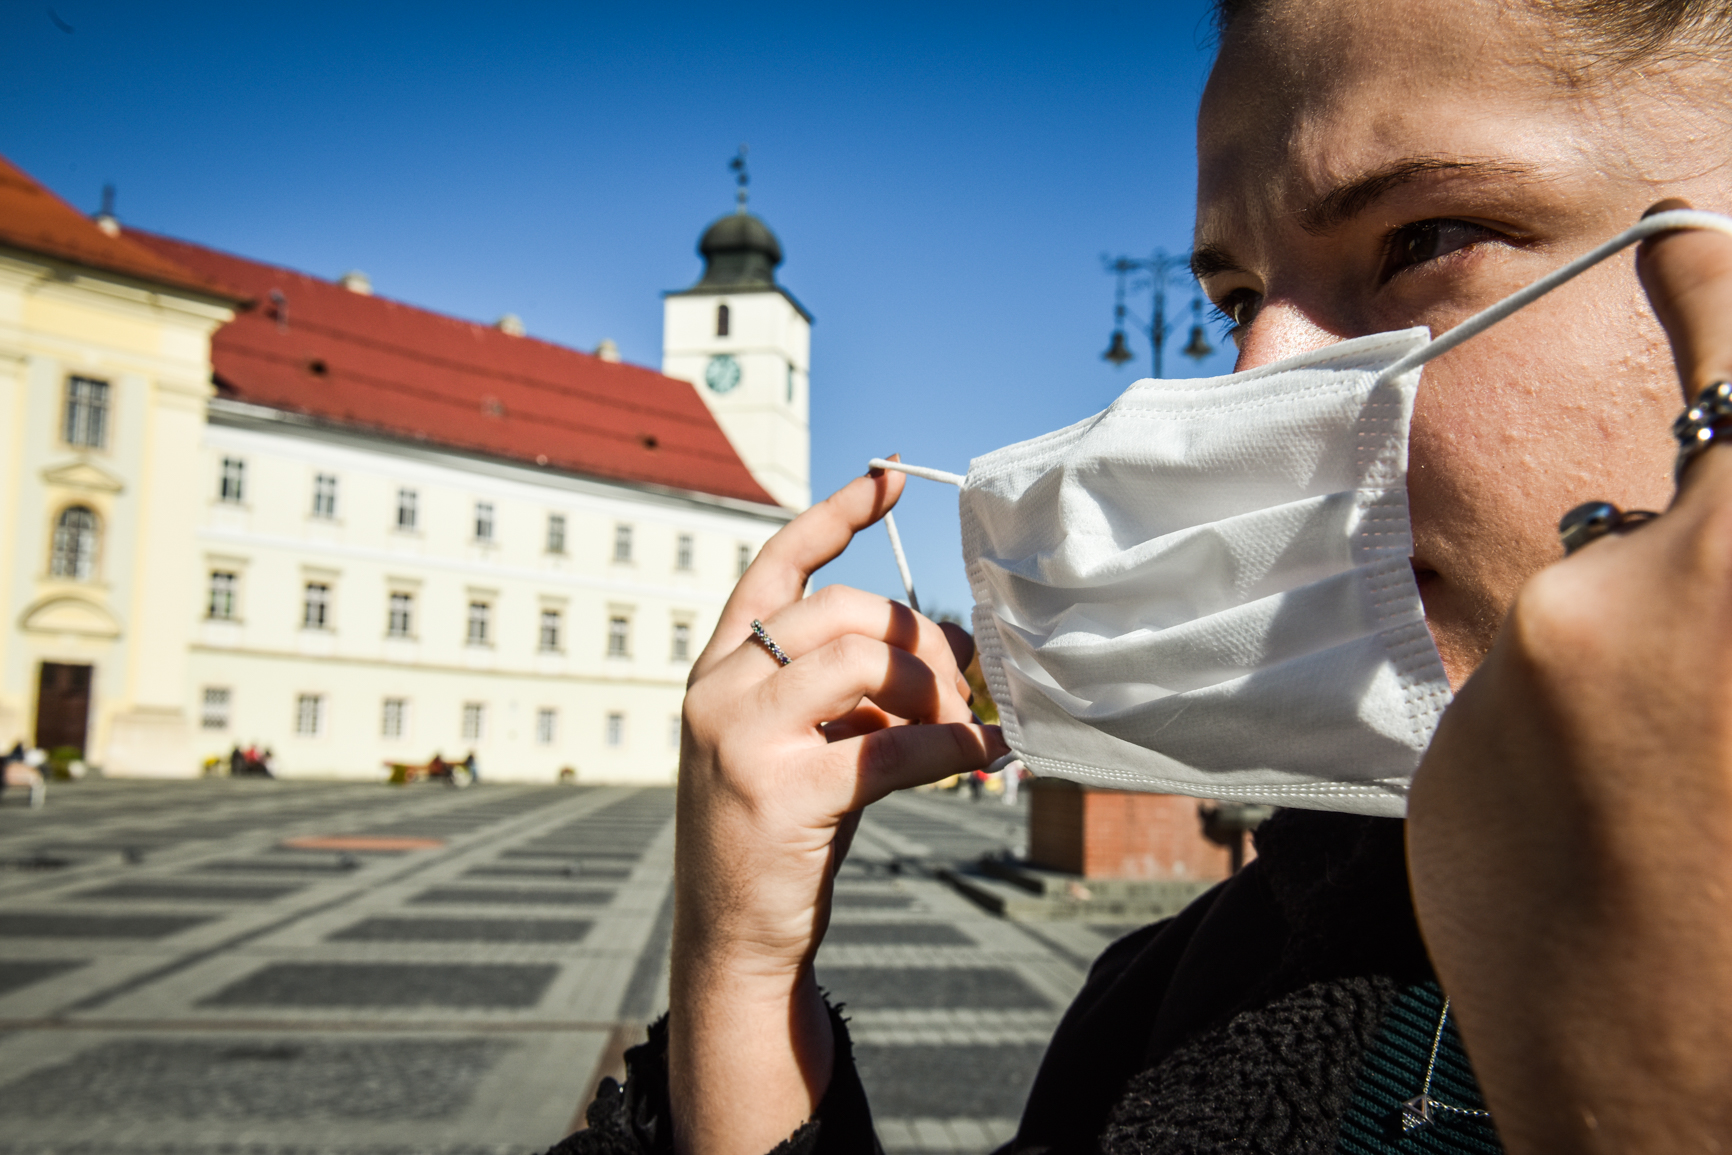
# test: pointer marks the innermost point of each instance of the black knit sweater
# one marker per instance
(1257, 1020)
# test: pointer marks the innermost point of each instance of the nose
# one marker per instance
(1280, 330)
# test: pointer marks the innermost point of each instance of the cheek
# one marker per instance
(1516, 427)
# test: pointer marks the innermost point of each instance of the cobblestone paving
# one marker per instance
(177, 980)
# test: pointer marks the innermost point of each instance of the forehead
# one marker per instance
(1309, 94)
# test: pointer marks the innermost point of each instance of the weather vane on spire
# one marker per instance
(741, 178)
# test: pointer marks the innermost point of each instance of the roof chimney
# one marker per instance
(510, 324)
(357, 282)
(607, 350)
(105, 218)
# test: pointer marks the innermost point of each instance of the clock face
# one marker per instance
(722, 373)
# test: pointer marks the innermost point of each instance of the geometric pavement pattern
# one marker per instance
(175, 980)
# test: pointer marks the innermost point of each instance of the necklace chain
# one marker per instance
(1422, 1110)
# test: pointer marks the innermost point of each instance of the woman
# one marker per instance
(1363, 167)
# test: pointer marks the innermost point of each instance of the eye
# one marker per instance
(1423, 241)
(1237, 310)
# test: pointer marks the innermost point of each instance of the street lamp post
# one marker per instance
(1154, 273)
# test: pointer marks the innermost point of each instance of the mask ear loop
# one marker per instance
(1486, 318)
(1011, 761)
(955, 479)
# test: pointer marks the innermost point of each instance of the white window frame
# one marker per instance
(399, 614)
(556, 533)
(85, 420)
(232, 481)
(743, 559)
(619, 636)
(484, 522)
(680, 642)
(685, 553)
(223, 592)
(548, 639)
(479, 628)
(325, 496)
(613, 733)
(309, 715)
(408, 510)
(546, 726)
(622, 543)
(394, 718)
(474, 721)
(72, 553)
(215, 708)
(321, 601)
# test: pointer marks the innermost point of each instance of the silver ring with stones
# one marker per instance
(1592, 520)
(1703, 424)
(763, 638)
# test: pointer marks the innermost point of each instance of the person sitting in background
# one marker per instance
(1561, 874)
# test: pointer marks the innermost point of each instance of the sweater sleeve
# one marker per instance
(635, 1119)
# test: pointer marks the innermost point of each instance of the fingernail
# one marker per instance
(1666, 206)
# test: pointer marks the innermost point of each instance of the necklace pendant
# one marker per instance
(1417, 1113)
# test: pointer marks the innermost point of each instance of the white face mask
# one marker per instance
(1206, 589)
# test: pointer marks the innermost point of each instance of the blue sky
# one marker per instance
(944, 179)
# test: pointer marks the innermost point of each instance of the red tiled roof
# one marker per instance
(37, 221)
(386, 367)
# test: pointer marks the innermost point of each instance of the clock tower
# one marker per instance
(743, 342)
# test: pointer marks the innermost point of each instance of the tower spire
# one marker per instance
(741, 178)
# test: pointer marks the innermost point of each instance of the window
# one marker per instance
(724, 317)
(673, 731)
(682, 648)
(790, 384)
(232, 486)
(310, 715)
(215, 715)
(474, 721)
(683, 552)
(619, 637)
(408, 503)
(616, 730)
(316, 614)
(479, 615)
(324, 495)
(396, 718)
(549, 631)
(484, 521)
(744, 559)
(222, 596)
(400, 618)
(546, 721)
(86, 412)
(556, 533)
(622, 542)
(74, 544)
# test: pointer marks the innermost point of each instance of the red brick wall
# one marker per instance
(1120, 834)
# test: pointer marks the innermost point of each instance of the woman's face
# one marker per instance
(1365, 166)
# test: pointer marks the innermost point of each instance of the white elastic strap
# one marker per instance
(901, 561)
(1481, 321)
(955, 479)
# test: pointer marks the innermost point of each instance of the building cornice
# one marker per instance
(264, 419)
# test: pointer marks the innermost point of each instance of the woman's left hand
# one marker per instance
(1570, 830)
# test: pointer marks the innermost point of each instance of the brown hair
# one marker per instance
(1615, 32)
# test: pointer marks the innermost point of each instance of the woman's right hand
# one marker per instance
(776, 763)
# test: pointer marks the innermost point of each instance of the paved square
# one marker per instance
(177, 979)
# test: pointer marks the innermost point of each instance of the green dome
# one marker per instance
(739, 249)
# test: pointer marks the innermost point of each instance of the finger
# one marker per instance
(1688, 276)
(903, 756)
(837, 610)
(864, 719)
(961, 643)
(778, 576)
(832, 681)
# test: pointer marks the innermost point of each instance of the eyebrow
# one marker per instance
(1350, 198)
